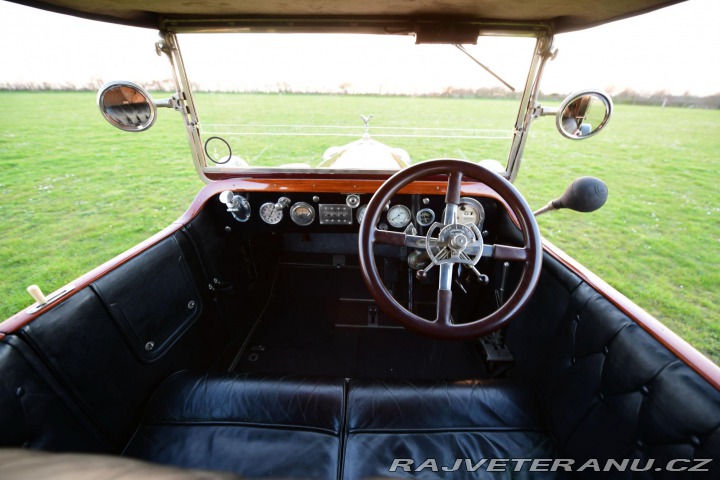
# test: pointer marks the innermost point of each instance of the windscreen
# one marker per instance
(352, 102)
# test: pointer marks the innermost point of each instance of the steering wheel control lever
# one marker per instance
(447, 244)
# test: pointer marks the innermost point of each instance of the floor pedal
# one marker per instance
(498, 357)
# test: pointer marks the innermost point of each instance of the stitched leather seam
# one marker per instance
(344, 431)
(430, 431)
(192, 423)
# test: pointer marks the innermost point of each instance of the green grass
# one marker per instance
(74, 191)
(657, 240)
(388, 113)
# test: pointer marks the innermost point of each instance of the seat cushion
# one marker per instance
(251, 425)
(394, 428)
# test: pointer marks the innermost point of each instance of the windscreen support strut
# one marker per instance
(544, 51)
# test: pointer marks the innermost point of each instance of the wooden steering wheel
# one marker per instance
(447, 244)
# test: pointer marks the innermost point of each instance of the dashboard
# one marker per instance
(316, 227)
(338, 212)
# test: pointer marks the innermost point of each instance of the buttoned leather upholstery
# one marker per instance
(609, 389)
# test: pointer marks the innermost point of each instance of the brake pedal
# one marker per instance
(498, 356)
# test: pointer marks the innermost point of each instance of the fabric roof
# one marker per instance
(563, 15)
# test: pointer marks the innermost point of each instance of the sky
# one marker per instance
(676, 49)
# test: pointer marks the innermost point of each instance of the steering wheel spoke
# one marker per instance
(454, 188)
(444, 306)
(446, 274)
(505, 253)
(389, 238)
(401, 239)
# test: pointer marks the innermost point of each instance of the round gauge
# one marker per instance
(469, 211)
(271, 213)
(302, 213)
(360, 213)
(398, 216)
(425, 217)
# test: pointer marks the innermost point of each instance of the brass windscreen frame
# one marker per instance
(169, 45)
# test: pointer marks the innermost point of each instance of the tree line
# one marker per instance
(661, 98)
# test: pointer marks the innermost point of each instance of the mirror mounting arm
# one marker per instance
(172, 102)
(546, 111)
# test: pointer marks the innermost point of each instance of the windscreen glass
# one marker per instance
(367, 102)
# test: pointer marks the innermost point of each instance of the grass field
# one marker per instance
(74, 192)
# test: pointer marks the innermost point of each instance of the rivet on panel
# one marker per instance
(149, 346)
(191, 304)
(20, 392)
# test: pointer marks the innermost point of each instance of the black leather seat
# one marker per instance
(423, 427)
(611, 391)
(255, 426)
(301, 427)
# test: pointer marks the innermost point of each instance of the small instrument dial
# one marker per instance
(302, 214)
(399, 216)
(271, 213)
(425, 217)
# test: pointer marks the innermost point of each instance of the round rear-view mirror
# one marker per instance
(583, 114)
(127, 106)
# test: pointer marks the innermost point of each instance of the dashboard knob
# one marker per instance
(237, 205)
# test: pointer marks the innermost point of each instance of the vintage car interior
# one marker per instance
(336, 322)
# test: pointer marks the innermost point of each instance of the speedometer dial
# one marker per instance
(271, 213)
(399, 216)
(469, 211)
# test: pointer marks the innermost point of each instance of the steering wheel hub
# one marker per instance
(455, 243)
(458, 242)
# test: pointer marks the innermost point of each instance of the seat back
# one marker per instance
(416, 429)
(256, 426)
(35, 411)
(302, 427)
(609, 389)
